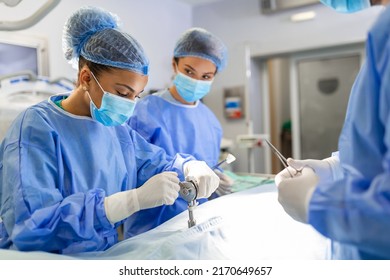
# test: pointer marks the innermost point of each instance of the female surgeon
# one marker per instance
(71, 169)
(347, 197)
(175, 118)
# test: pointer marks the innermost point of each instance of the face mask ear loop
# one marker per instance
(85, 90)
(93, 75)
(176, 70)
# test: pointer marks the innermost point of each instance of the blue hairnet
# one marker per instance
(93, 33)
(199, 42)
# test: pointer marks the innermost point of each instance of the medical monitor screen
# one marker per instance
(17, 58)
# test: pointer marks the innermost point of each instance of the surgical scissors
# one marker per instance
(283, 160)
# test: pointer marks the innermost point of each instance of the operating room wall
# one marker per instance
(240, 24)
(155, 24)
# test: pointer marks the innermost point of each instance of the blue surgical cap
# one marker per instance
(93, 33)
(199, 42)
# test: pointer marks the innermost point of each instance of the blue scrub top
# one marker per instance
(355, 211)
(56, 168)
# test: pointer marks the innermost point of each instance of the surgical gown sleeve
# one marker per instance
(43, 218)
(151, 159)
(356, 209)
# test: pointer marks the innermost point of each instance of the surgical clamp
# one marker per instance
(283, 160)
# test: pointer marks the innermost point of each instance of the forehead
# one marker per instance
(199, 64)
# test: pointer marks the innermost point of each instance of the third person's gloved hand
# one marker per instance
(294, 194)
(206, 178)
(225, 183)
(328, 169)
(159, 190)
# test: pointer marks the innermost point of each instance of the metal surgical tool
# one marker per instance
(229, 159)
(189, 190)
(283, 159)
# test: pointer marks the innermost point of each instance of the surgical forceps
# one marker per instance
(283, 160)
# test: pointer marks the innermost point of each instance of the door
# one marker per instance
(320, 94)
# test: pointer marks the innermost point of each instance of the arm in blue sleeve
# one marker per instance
(344, 212)
(355, 209)
(152, 159)
(36, 213)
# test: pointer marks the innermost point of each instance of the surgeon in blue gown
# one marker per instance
(71, 169)
(175, 118)
(347, 197)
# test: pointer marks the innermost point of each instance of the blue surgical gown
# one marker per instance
(355, 211)
(178, 128)
(56, 168)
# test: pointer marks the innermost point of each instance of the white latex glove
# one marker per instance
(284, 175)
(206, 178)
(225, 183)
(294, 194)
(160, 189)
(328, 169)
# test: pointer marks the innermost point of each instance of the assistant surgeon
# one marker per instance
(176, 119)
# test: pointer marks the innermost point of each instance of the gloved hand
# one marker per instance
(328, 169)
(294, 194)
(160, 189)
(225, 183)
(207, 180)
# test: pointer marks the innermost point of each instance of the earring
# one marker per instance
(84, 88)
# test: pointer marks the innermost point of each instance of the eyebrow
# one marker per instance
(193, 69)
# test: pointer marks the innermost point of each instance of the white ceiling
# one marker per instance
(198, 2)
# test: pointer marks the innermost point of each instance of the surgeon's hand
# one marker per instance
(159, 190)
(225, 183)
(207, 180)
(328, 169)
(294, 194)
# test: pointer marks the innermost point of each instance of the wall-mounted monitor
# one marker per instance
(23, 53)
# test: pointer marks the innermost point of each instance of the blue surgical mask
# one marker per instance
(114, 110)
(347, 6)
(191, 89)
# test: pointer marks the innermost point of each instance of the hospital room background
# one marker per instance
(288, 78)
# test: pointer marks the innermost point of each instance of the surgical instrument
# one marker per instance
(189, 190)
(283, 160)
(229, 159)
